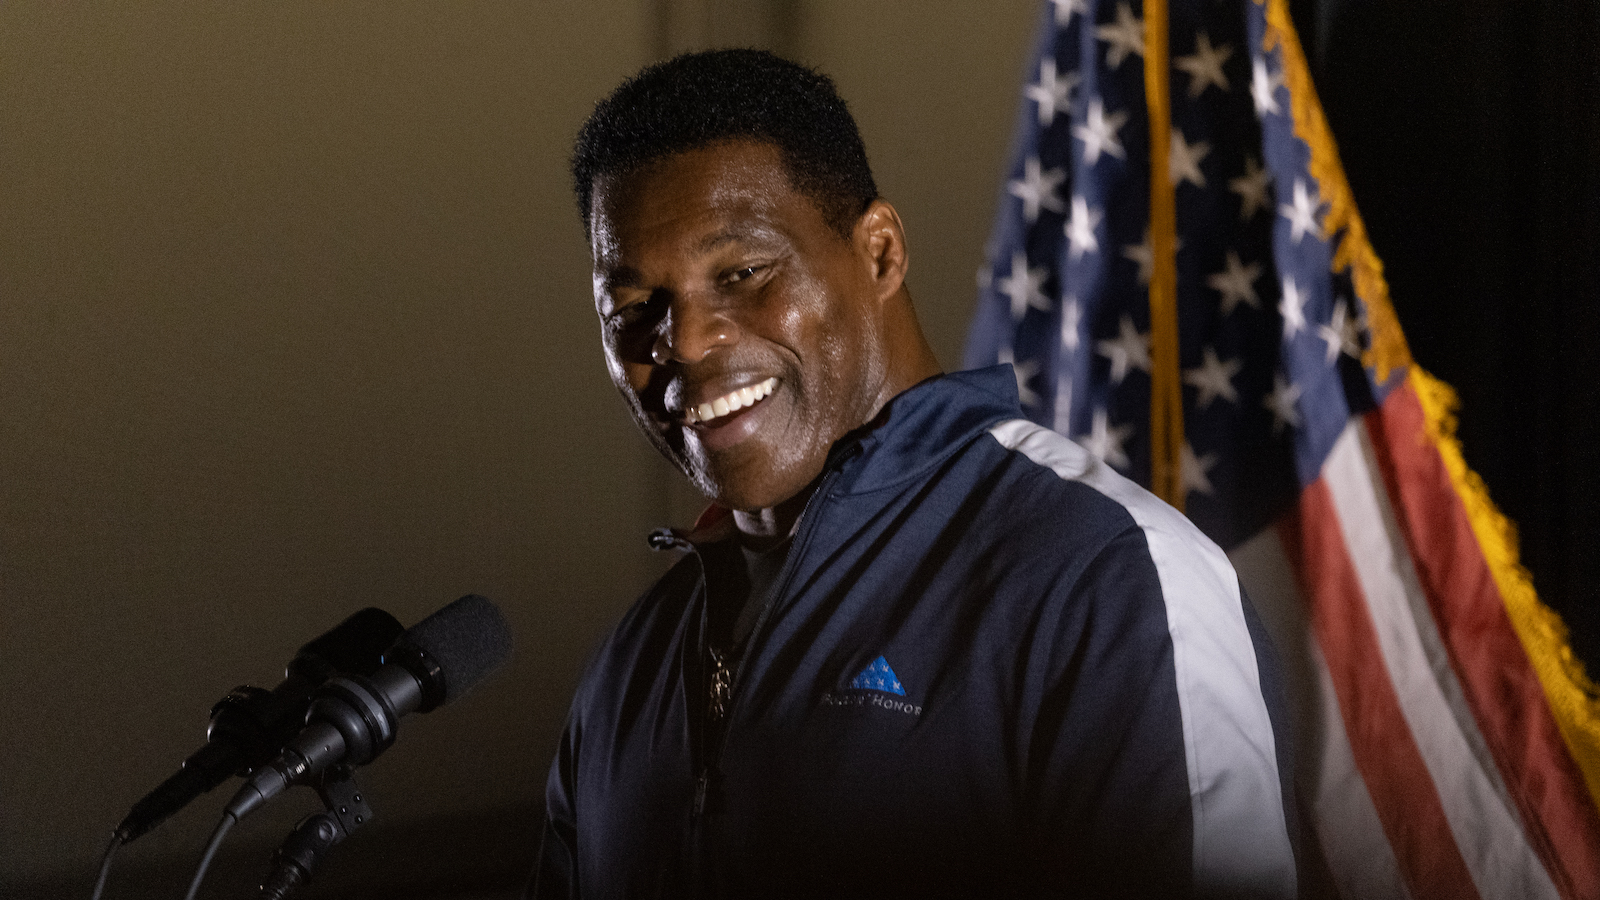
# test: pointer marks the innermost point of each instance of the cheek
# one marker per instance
(838, 357)
(631, 378)
(841, 361)
(820, 336)
(633, 387)
(615, 368)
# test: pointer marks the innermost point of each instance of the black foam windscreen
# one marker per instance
(467, 639)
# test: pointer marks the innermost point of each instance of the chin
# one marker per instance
(754, 476)
(751, 495)
(732, 496)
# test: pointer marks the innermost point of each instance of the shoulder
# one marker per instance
(1146, 547)
(1227, 733)
(1128, 516)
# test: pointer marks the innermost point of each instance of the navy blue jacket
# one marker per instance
(992, 666)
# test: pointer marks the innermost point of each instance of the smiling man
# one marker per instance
(918, 646)
(748, 332)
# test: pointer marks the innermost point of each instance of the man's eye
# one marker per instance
(742, 274)
(632, 313)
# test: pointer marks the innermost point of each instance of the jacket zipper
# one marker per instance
(720, 696)
(724, 679)
(781, 586)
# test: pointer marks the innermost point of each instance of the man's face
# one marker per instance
(742, 331)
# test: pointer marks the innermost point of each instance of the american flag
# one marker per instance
(1182, 283)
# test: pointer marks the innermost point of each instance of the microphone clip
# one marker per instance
(297, 858)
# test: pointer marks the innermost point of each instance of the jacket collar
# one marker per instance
(923, 426)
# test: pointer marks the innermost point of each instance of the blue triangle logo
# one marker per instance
(879, 677)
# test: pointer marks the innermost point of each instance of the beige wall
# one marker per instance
(294, 319)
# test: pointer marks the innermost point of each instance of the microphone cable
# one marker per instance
(105, 865)
(211, 851)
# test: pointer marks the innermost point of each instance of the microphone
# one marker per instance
(250, 725)
(353, 718)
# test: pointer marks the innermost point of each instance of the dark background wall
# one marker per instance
(295, 318)
(1470, 131)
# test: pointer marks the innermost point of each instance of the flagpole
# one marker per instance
(1166, 391)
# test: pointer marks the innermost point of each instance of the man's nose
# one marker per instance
(695, 326)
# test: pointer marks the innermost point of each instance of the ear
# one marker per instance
(882, 241)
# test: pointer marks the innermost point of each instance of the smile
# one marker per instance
(732, 401)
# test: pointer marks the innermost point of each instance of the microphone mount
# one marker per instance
(250, 724)
(345, 810)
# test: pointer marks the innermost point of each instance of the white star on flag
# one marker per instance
(1184, 163)
(1193, 470)
(1264, 88)
(1128, 348)
(1080, 229)
(1293, 309)
(1099, 132)
(1071, 319)
(1065, 9)
(1213, 379)
(1252, 189)
(1302, 213)
(1037, 188)
(1282, 400)
(1236, 283)
(1053, 93)
(1105, 442)
(1025, 286)
(1124, 37)
(1341, 334)
(1205, 65)
(1145, 255)
(1023, 372)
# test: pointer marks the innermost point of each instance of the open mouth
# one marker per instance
(709, 412)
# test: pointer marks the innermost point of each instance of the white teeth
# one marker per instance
(730, 402)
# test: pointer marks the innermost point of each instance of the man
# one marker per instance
(919, 646)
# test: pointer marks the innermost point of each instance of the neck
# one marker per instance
(764, 528)
(913, 360)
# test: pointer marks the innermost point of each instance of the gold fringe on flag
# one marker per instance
(1573, 698)
(1388, 352)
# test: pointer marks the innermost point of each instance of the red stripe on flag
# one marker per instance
(1490, 661)
(1385, 752)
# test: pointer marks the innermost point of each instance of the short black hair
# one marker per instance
(697, 99)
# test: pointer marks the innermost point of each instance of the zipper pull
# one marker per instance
(721, 686)
(700, 787)
(667, 539)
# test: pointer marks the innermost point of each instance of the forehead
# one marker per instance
(731, 188)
